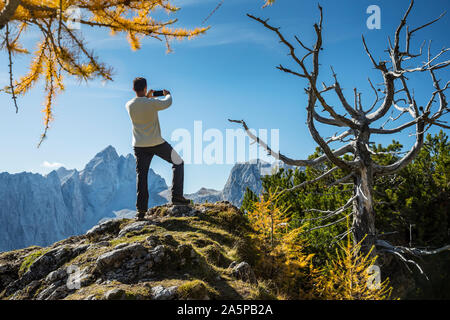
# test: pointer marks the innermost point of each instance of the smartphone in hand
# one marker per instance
(158, 93)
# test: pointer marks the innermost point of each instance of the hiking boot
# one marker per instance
(180, 200)
(140, 215)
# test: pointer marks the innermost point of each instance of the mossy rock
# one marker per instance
(229, 218)
(263, 291)
(201, 243)
(30, 259)
(196, 290)
(215, 256)
(169, 240)
(245, 250)
(158, 211)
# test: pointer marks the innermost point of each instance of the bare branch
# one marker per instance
(400, 164)
(376, 65)
(308, 182)
(389, 78)
(10, 65)
(404, 110)
(287, 160)
(409, 34)
(329, 121)
(400, 27)
(339, 137)
(344, 165)
(388, 99)
(383, 153)
(342, 180)
(341, 236)
(311, 76)
(301, 43)
(330, 213)
(439, 91)
(341, 96)
(401, 251)
(434, 122)
(327, 225)
(280, 67)
(376, 97)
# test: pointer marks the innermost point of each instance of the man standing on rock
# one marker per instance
(147, 142)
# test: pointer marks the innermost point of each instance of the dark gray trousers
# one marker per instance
(144, 156)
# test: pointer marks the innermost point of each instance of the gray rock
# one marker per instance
(185, 253)
(135, 226)
(80, 278)
(168, 238)
(114, 259)
(114, 294)
(47, 263)
(121, 245)
(161, 293)
(59, 293)
(110, 226)
(157, 254)
(56, 275)
(152, 240)
(79, 249)
(244, 272)
(49, 291)
(181, 211)
(4, 268)
(103, 244)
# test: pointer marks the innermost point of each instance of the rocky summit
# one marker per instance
(201, 251)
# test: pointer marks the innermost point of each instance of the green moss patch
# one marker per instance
(196, 290)
(30, 259)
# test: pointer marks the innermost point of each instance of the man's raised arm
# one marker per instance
(163, 103)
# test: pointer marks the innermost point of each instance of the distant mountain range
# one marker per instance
(40, 210)
(242, 175)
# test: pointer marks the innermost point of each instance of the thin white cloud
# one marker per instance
(218, 35)
(51, 165)
(185, 3)
(227, 34)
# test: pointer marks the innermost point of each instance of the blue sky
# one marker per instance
(227, 73)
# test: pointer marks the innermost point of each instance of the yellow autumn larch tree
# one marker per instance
(350, 275)
(61, 51)
(283, 259)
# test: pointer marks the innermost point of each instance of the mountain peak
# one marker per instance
(109, 153)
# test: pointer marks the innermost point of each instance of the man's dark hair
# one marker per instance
(139, 84)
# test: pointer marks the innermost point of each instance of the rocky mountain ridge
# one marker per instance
(39, 210)
(177, 252)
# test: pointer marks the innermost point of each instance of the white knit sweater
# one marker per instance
(143, 112)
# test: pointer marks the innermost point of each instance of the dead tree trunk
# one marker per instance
(358, 127)
(363, 225)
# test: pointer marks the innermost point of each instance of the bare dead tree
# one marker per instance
(359, 125)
